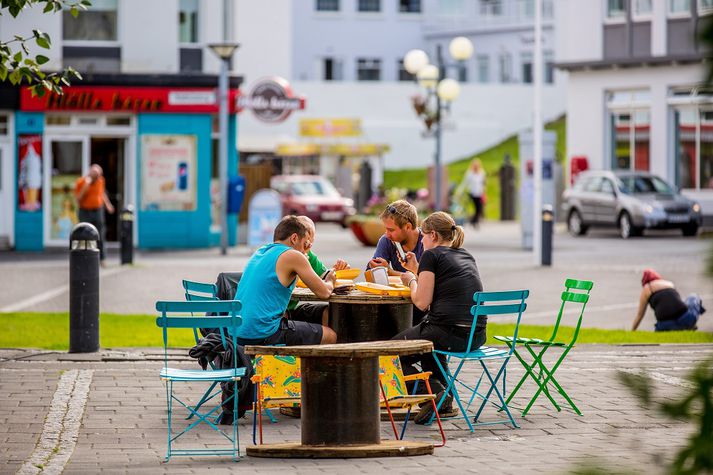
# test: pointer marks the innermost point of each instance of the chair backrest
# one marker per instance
(576, 294)
(391, 376)
(490, 304)
(279, 376)
(180, 314)
(199, 291)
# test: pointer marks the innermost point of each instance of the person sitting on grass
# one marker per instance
(267, 284)
(313, 312)
(671, 312)
(442, 283)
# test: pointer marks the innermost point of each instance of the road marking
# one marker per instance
(50, 294)
(664, 378)
(61, 428)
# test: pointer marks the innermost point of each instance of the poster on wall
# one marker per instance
(168, 172)
(29, 176)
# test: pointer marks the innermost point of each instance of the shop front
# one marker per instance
(156, 140)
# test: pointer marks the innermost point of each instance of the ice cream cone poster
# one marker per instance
(29, 179)
(168, 172)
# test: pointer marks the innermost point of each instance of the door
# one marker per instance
(108, 152)
(589, 199)
(6, 198)
(68, 159)
(606, 203)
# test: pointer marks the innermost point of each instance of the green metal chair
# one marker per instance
(576, 293)
(490, 304)
(179, 315)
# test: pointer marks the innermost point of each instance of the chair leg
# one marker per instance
(169, 403)
(206, 397)
(236, 441)
(388, 409)
(550, 378)
(451, 388)
(494, 387)
(408, 413)
(438, 417)
(537, 361)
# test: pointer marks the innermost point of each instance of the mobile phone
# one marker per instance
(400, 250)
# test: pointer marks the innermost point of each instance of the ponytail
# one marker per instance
(458, 236)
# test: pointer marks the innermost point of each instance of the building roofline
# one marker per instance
(654, 61)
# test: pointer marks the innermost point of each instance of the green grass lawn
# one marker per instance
(51, 332)
(492, 158)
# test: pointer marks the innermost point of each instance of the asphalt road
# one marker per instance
(39, 281)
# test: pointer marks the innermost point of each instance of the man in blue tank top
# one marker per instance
(266, 286)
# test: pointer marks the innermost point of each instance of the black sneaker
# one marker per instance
(424, 415)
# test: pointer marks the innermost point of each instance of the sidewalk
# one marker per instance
(106, 413)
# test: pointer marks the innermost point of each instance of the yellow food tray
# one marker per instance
(350, 274)
(378, 289)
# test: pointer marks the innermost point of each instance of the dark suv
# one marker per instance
(631, 201)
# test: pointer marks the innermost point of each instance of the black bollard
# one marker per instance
(84, 289)
(126, 232)
(507, 190)
(548, 221)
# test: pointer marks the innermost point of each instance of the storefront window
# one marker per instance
(642, 141)
(621, 125)
(188, 21)
(3, 125)
(616, 9)
(685, 143)
(98, 23)
(630, 121)
(693, 137)
(706, 137)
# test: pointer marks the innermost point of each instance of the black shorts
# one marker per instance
(310, 312)
(294, 333)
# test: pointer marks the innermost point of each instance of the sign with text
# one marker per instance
(168, 172)
(264, 212)
(125, 99)
(271, 100)
(330, 127)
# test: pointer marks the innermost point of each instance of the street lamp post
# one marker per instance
(224, 51)
(445, 90)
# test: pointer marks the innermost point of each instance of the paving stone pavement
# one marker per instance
(120, 422)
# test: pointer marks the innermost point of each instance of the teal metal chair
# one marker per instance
(180, 315)
(201, 292)
(490, 304)
(576, 294)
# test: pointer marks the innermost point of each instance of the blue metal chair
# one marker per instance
(179, 315)
(488, 304)
(201, 292)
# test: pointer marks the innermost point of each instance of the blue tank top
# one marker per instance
(263, 296)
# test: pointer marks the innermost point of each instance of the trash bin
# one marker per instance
(236, 193)
(507, 190)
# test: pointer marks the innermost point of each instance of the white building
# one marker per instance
(345, 57)
(634, 95)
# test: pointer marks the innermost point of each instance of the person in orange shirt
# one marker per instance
(90, 191)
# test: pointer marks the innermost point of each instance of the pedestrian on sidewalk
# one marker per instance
(672, 312)
(90, 191)
(475, 184)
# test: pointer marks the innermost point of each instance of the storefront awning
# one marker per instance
(339, 149)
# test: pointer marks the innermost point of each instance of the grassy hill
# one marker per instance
(492, 158)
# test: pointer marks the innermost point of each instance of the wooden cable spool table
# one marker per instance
(340, 401)
(360, 316)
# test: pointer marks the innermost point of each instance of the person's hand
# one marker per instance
(378, 262)
(410, 264)
(407, 277)
(330, 276)
(110, 208)
(88, 179)
(341, 264)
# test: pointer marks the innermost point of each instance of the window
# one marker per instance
(404, 75)
(693, 139)
(526, 8)
(483, 62)
(462, 73)
(331, 69)
(527, 73)
(630, 129)
(188, 21)
(327, 5)
(369, 5)
(505, 60)
(98, 23)
(491, 7)
(548, 57)
(368, 69)
(451, 8)
(680, 7)
(4, 126)
(616, 9)
(594, 184)
(643, 8)
(607, 186)
(705, 6)
(410, 6)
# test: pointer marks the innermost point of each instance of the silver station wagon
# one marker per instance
(631, 201)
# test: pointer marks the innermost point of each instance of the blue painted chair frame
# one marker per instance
(488, 304)
(175, 315)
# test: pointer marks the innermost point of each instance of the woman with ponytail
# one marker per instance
(442, 283)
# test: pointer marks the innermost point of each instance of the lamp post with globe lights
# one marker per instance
(444, 90)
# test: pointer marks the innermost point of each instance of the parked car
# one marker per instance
(631, 201)
(313, 196)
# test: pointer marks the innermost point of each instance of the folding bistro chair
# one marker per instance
(488, 304)
(177, 315)
(394, 394)
(278, 382)
(576, 293)
(201, 292)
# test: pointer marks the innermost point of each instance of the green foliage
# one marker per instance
(51, 331)
(18, 65)
(696, 406)
(492, 158)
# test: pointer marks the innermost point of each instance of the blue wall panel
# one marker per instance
(28, 226)
(177, 229)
